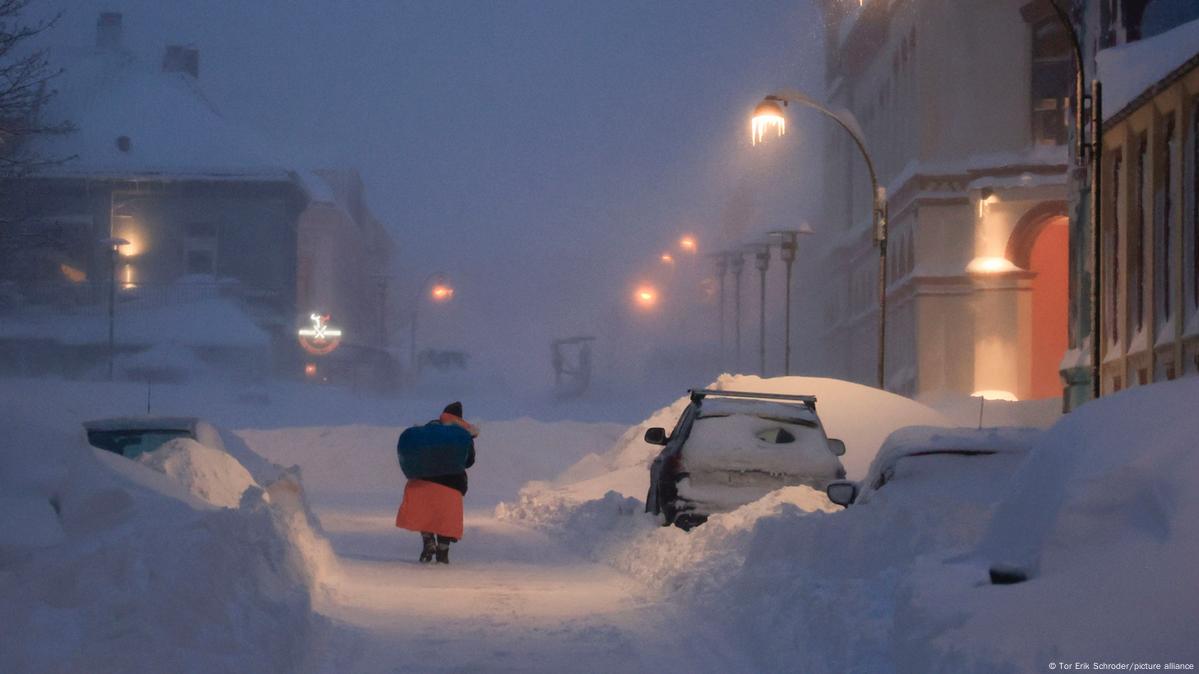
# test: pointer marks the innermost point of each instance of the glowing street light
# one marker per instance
(440, 291)
(688, 244)
(666, 258)
(645, 296)
(768, 114)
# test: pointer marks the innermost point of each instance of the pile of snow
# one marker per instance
(859, 415)
(208, 473)
(1104, 516)
(114, 565)
(1100, 511)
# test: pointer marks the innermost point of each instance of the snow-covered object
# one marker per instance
(1104, 516)
(1129, 70)
(923, 441)
(736, 443)
(210, 474)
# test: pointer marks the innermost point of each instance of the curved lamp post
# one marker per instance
(788, 245)
(1093, 150)
(769, 115)
(440, 291)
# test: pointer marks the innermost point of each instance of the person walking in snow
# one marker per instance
(434, 458)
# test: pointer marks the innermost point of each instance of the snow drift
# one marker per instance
(108, 565)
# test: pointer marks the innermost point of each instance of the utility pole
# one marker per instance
(737, 264)
(761, 253)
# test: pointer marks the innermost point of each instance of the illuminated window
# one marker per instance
(1051, 77)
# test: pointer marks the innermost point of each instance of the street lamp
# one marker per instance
(722, 266)
(687, 243)
(769, 115)
(736, 265)
(114, 245)
(788, 244)
(1094, 184)
(439, 291)
(761, 253)
(646, 296)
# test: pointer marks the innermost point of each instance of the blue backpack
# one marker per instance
(433, 449)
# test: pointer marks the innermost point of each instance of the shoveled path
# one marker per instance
(511, 600)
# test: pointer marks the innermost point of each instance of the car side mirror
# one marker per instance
(842, 492)
(838, 446)
(656, 436)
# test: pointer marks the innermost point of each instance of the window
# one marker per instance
(1113, 246)
(1050, 82)
(199, 262)
(1136, 240)
(200, 248)
(1163, 210)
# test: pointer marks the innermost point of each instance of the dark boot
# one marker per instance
(429, 549)
(443, 551)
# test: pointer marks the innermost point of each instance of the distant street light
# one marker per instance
(788, 244)
(761, 253)
(645, 296)
(769, 115)
(440, 291)
(114, 245)
(666, 258)
(688, 244)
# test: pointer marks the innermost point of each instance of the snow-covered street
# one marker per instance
(512, 600)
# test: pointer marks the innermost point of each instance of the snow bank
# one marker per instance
(210, 474)
(107, 565)
(1105, 517)
(859, 415)
(1100, 509)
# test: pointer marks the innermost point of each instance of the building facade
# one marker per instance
(207, 245)
(1149, 65)
(963, 107)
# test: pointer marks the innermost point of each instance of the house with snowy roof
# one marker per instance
(1148, 64)
(188, 222)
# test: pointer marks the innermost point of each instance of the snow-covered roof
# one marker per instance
(173, 130)
(921, 440)
(143, 423)
(730, 406)
(212, 322)
(1130, 70)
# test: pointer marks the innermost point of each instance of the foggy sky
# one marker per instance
(540, 153)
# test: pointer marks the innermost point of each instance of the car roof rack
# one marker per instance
(698, 394)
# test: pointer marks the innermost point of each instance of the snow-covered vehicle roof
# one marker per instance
(919, 441)
(794, 412)
(143, 423)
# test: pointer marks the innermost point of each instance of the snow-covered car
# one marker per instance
(133, 436)
(932, 456)
(732, 448)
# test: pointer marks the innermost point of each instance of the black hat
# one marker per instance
(454, 408)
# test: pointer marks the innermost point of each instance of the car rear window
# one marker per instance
(133, 443)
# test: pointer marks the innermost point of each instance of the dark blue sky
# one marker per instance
(542, 153)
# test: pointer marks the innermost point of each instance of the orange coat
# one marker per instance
(431, 507)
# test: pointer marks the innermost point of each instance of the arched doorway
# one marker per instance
(1049, 260)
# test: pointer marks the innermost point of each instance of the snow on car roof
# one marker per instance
(143, 423)
(768, 408)
(920, 440)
